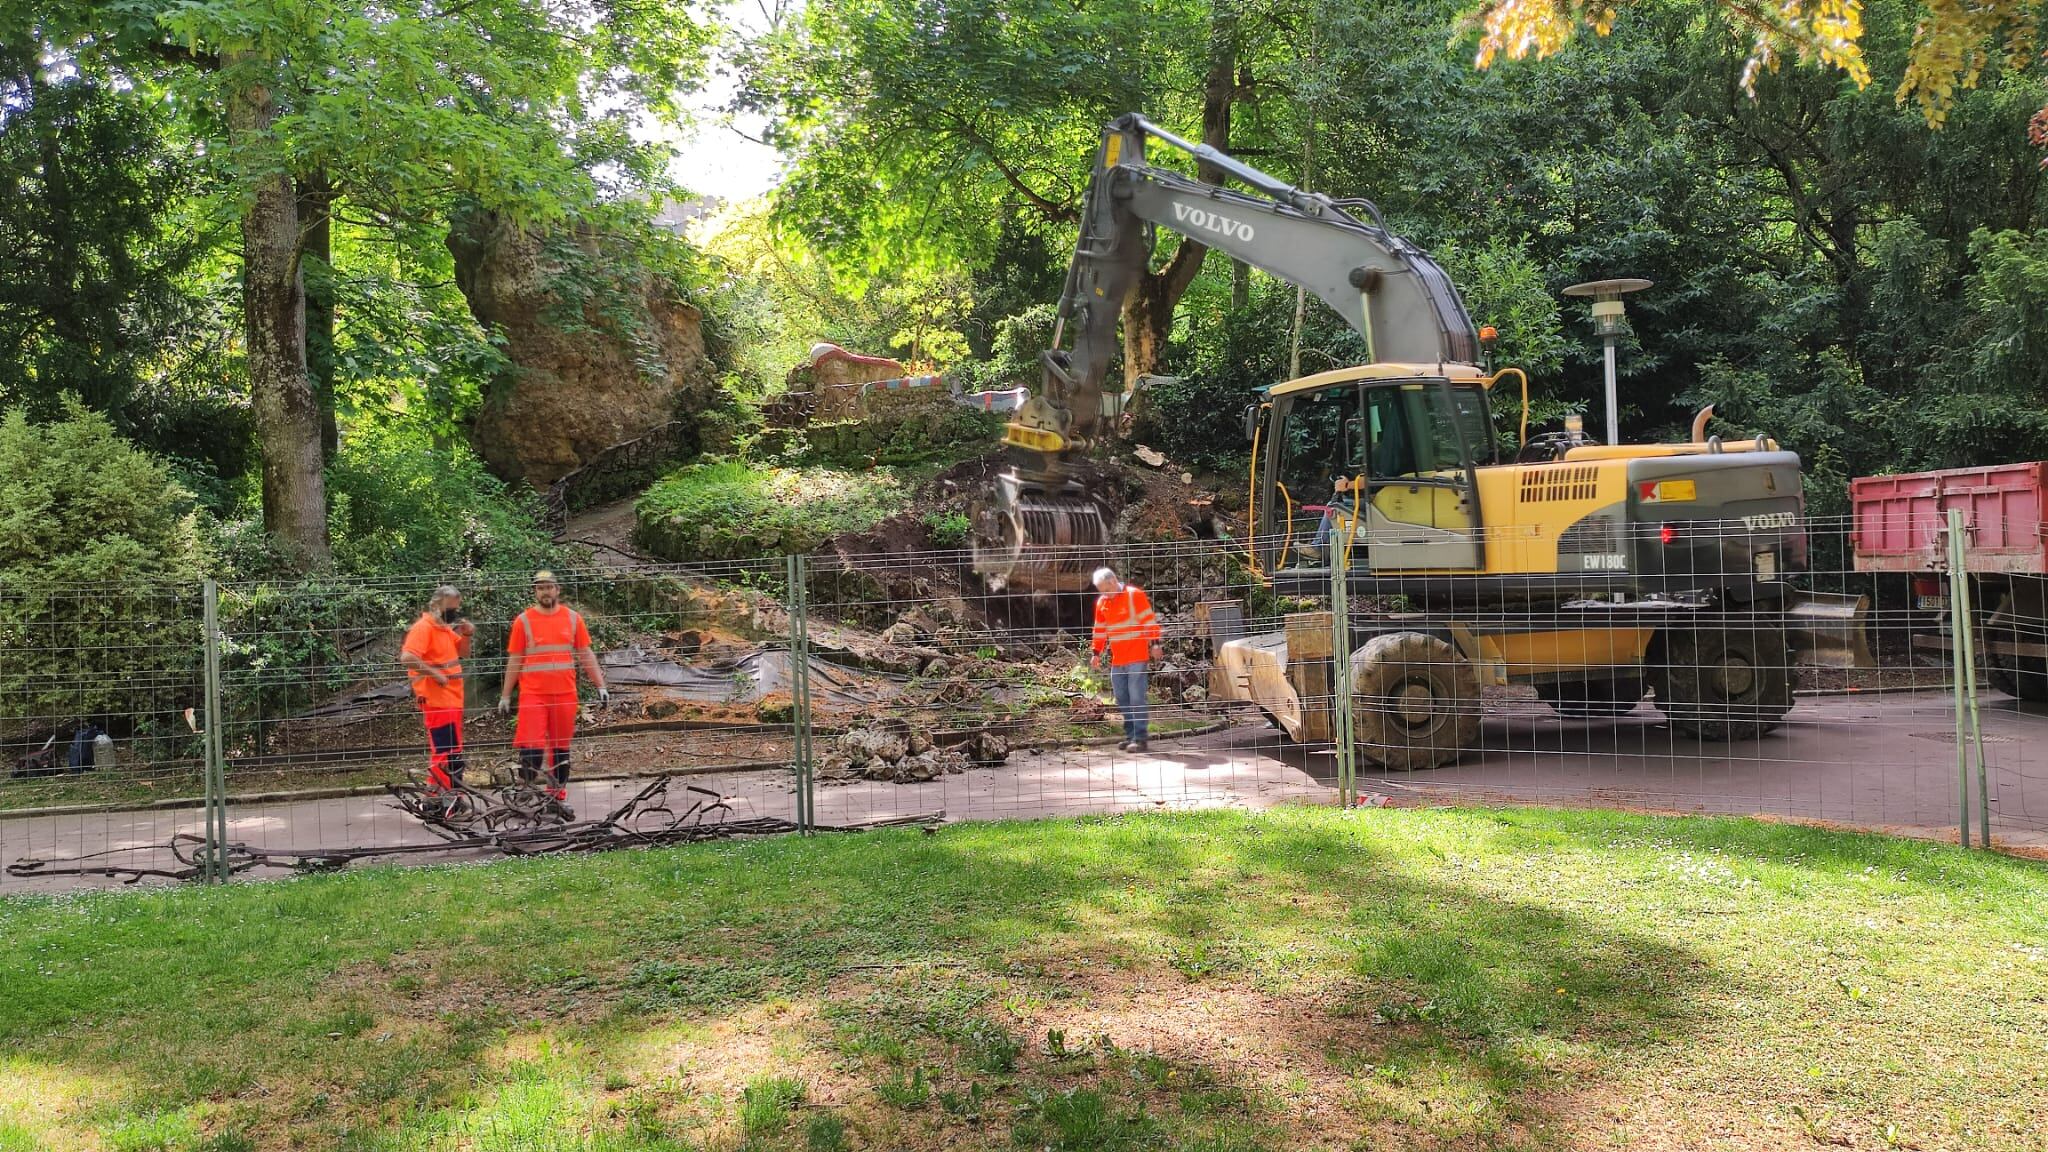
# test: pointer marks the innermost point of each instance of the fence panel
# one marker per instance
(939, 694)
(1704, 692)
(1719, 689)
(100, 758)
(328, 754)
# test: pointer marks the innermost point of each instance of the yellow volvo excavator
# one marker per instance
(1593, 572)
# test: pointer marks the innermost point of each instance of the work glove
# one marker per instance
(604, 697)
(504, 705)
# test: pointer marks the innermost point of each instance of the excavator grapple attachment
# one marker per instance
(1032, 537)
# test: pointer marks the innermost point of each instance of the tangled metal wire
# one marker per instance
(509, 820)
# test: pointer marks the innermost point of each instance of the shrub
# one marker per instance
(402, 505)
(81, 506)
(727, 510)
(947, 529)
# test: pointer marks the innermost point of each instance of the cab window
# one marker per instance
(1326, 436)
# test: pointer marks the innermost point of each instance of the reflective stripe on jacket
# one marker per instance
(438, 647)
(1125, 625)
(546, 644)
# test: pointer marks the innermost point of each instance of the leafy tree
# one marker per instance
(1954, 46)
(93, 288)
(926, 132)
(393, 108)
(790, 297)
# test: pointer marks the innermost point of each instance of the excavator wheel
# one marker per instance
(1592, 699)
(1722, 683)
(1415, 701)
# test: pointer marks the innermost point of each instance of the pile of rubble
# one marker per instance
(892, 750)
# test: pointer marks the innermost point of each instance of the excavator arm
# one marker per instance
(1392, 293)
(1035, 530)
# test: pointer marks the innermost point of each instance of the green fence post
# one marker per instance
(1961, 673)
(213, 861)
(800, 687)
(1965, 611)
(1340, 673)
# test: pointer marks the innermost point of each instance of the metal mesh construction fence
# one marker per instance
(849, 688)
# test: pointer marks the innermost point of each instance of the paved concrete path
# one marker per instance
(1882, 761)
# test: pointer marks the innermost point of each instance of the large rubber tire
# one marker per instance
(1723, 681)
(2021, 677)
(2002, 679)
(1592, 699)
(1415, 701)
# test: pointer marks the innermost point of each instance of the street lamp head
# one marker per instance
(1608, 319)
(1610, 325)
(1607, 289)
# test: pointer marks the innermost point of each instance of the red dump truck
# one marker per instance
(1901, 527)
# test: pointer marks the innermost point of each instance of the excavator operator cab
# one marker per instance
(1377, 466)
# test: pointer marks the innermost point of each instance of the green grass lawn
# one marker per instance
(1300, 979)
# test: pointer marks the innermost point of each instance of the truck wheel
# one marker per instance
(1415, 701)
(1731, 682)
(2021, 677)
(1591, 699)
(2002, 679)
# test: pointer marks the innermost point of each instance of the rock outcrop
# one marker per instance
(599, 356)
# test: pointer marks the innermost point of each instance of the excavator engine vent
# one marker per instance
(1543, 485)
(1594, 534)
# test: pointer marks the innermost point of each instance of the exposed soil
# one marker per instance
(900, 560)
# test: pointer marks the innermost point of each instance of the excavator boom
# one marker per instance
(1034, 530)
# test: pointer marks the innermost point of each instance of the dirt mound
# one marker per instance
(919, 557)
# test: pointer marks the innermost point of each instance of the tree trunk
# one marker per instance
(316, 259)
(1148, 312)
(287, 417)
(1240, 286)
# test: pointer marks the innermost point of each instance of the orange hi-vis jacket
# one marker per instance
(546, 644)
(1125, 624)
(439, 648)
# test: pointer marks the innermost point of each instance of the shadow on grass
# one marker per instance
(376, 1009)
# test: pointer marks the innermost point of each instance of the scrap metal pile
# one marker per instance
(516, 821)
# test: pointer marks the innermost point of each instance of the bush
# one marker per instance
(100, 563)
(727, 510)
(947, 529)
(400, 505)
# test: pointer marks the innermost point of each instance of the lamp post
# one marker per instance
(1610, 322)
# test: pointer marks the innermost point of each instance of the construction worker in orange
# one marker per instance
(432, 655)
(548, 642)
(1128, 631)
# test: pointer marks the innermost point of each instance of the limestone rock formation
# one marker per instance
(599, 356)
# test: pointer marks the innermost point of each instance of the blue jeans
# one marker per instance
(1127, 682)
